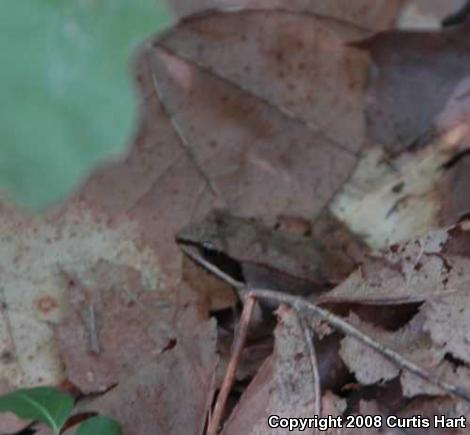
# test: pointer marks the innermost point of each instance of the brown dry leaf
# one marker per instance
(170, 395)
(283, 385)
(303, 67)
(420, 83)
(115, 326)
(373, 14)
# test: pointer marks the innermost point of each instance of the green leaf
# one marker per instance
(43, 404)
(100, 426)
(66, 95)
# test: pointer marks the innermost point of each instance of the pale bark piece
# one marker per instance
(305, 68)
(373, 14)
(33, 254)
(112, 318)
(170, 395)
(283, 386)
(390, 199)
(427, 14)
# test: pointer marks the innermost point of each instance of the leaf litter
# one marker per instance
(319, 149)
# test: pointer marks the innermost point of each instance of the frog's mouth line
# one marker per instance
(220, 260)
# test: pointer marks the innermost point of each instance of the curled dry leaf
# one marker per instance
(171, 394)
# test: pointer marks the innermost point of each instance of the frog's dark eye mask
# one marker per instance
(217, 258)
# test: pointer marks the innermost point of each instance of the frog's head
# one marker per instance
(208, 234)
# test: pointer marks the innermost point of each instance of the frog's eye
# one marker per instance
(206, 244)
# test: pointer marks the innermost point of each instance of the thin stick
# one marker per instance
(308, 338)
(94, 341)
(230, 374)
(300, 305)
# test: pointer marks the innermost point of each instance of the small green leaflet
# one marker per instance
(100, 426)
(43, 404)
(66, 93)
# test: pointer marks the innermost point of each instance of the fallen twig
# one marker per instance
(231, 372)
(308, 338)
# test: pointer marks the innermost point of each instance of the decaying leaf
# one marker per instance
(411, 341)
(171, 394)
(112, 318)
(426, 268)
